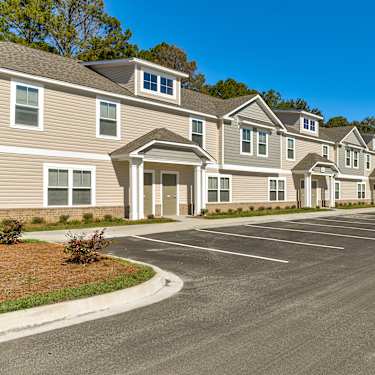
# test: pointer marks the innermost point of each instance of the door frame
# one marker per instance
(317, 189)
(152, 190)
(177, 190)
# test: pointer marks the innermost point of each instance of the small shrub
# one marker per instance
(74, 222)
(204, 211)
(217, 210)
(350, 204)
(63, 219)
(88, 217)
(278, 208)
(84, 250)
(251, 208)
(11, 231)
(150, 216)
(230, 211)
(261, 208)
(293, 207)
(269, 208)
(37, 220)
(239, 209)
(108, 217)
(287, 207)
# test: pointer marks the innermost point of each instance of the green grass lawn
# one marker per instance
(282, 211)
(92, 224)
(349, 207)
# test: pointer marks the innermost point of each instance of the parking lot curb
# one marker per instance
(40, 319)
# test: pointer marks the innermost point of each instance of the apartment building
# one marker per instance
(123, 137)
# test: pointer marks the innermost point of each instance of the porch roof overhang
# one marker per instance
(312, 161)
(162, 138)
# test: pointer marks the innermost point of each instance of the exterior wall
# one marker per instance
(232, 148)
(124, 75)
(353, 139)
(255, 112)
(349, 191)
(165, 154)
(346, 170)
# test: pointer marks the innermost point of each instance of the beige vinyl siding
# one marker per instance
(346, 170)
(255, 112)
(353, 139)
(70, 123)
(175, 155)
(23, 185)
(123, 75)
(349, 190)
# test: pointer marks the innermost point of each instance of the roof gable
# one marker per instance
(354, 138)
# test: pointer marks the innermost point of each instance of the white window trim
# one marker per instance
(294, 148)
(339, 183)
(302, 129)
(350, 157)
(177, 190)
(118, 119)
(368, 156)
(261, 155)
(218, 176)
(251, 141)
(277, 189)
(70, 168)
(358, 157)
(158, 75)
(362, 184)
(203, 129)
(323, 146)
(40, 88)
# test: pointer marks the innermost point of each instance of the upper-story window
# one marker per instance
(291, 149)
(197, 131)
(262, 143)
(108, 119)
(306, 124)
(355, 159)
(309, 125)
(325, 151)
(312, 126)
(246, 140)
(158, 84)
(368, 161)
(348, 158)
(27, 106)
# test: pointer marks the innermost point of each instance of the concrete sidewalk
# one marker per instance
(187, 223)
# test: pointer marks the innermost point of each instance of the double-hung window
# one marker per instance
(218, 188)
(348, 158)
(166, 86)
(150, 81)
(361, 190)
(291, 146)
(355, 159)
(368, 161)
(312, 126)
(262, 143)
(69, 185)
(108, 119)
(277, 189)
(337, 190)
(197, 131)
(306, 124)
(246, 141)
(325, 152)
(27, 106)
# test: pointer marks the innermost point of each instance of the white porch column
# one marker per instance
(133, 184)
(197, 190)
(204, 188)
(332, 191)
(141, 213)
(307, 190)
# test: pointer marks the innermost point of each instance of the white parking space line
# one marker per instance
(345, 226)
(309, 231)
(269, 239)
(332, 226)
(210, 249)
(346, 221)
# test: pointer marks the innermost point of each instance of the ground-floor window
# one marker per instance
(276, 189)
(218, 188)
(361, 190)
(337, 190)
(69, 185)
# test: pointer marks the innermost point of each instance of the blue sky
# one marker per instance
(322, 51)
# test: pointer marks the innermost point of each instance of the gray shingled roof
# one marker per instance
(159, 134)
(49, 65)
(45, 64)
(309, 161)
(368, 137)
(335, 134)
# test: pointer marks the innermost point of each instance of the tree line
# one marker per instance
(82, 29)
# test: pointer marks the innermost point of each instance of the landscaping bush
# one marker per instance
(293, 207)
(251, 208)
(88, 217)
(204, 211)
(11, 231)
(63, 219)
(75, 222)
(261, 208)
(277, 208)
(37, 220)
(230, 211)
(239, 209)
(217, 210)
(84, 250)
(108, 217)
(150, 216)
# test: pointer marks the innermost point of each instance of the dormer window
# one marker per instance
(306, 123)
(309, 125)
(312, 126)
(158, 84)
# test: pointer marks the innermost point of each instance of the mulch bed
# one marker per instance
(29, 268)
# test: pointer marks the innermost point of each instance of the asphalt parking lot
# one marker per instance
(287, 297)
